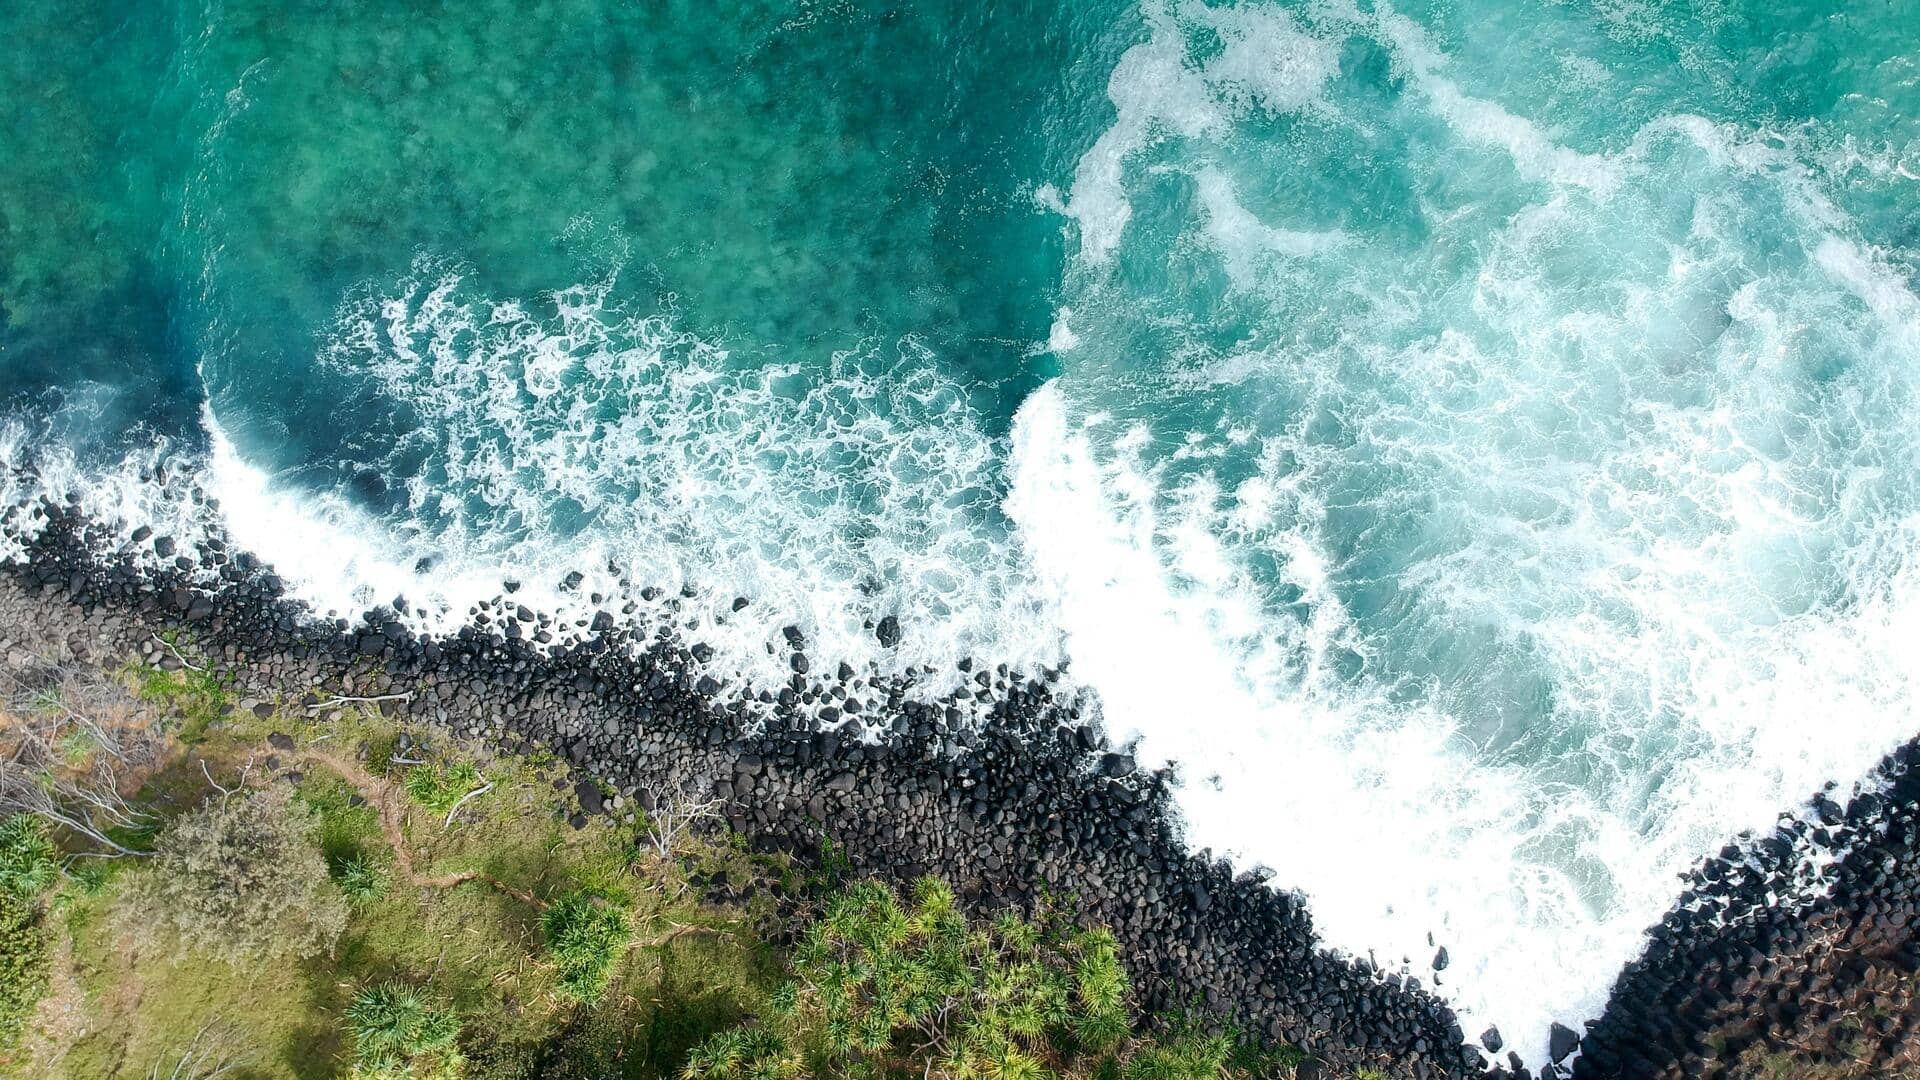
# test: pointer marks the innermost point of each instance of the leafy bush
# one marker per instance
(397, 1034)
(239, 878)
(29, 865)
(23, 964)
(886, 990)
(586, 935)
(440, 787)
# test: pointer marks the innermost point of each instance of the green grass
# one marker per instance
(477, 950)
(440, 786)
(198, 697)
(361, 878)
(573, 954)
(29, 865)
(29, 868)
(397, 1032)
(23, 964)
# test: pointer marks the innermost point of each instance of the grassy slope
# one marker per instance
(471, 943)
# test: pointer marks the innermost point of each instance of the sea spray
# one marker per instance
(1474, 539)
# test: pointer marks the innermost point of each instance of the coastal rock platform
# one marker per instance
(1744, 972)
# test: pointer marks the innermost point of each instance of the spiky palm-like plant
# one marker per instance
(586, 935)
(440, 788)
(361, 879)
(883, 988)
(396, 1033)
(29, 863)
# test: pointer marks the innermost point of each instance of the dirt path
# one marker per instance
(390, 803)
(61, 1018)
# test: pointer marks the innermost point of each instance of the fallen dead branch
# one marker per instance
(71, 745)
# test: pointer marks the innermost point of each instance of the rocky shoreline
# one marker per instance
(1824, 982)
(1031, 800)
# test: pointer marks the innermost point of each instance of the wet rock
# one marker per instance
(1561, 1042)
(1006, 788)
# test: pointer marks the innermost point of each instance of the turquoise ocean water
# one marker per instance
(1478, 441)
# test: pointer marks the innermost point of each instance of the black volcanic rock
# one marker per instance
(1561, 1042)
(1006, 792)
(588, 793)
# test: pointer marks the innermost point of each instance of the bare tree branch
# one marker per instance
(213, 1052)
(674, 817)
(72, 736)
(184, 662)
(481, 790)
(338, 700)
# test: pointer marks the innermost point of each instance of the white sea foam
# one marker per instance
(1243, 240)
(1158, 90)
(561, 435)
(333, 554)
(1380, 814)
(1482, 598)
(586, 438)
(1477, 120)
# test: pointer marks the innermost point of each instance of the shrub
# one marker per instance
(23, 964)
(239, 878)
(586, 935)
(882, 989)
(397, 1034)
(29, 865)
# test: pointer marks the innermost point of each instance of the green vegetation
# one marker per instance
(360, 879)
(371, 932)
(454, 913)
(397, 1034)
(29, 864)
(28, 868)
(23, 964)
(197, 697)
(239, 879)
(585, 935)
(882, 989)
(441, 786)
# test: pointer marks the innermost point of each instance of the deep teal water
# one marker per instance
(1495, 419)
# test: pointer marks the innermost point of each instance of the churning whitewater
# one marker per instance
(1478, 449)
